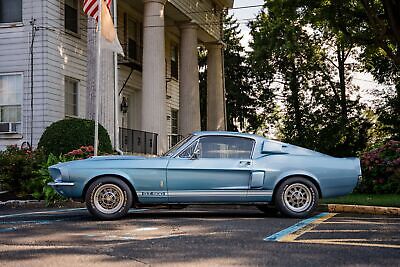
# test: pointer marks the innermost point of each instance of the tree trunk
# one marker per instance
(342, 83)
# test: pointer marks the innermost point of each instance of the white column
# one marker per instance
(215, 88)
(154, 88)
(189, 99)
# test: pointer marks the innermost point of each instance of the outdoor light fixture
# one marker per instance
(124, 105)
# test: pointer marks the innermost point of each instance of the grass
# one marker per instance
(388, 200)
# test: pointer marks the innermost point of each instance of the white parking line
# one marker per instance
(39, 212)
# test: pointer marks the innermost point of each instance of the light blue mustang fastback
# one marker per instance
(212, 168)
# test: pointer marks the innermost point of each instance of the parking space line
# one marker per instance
(294, 231)
(38, 213)
(361, 222)
(346, 242)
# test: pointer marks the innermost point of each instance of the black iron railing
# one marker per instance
(173, 139)
(135, 141)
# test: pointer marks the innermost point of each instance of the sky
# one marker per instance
(245, 14)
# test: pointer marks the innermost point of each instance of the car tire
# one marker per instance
(296, 197)
(108, 198)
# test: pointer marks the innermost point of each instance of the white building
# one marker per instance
(159, 73)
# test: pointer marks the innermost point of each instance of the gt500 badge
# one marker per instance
(153, 194)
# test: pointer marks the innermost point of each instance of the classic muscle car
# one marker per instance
(213, 168)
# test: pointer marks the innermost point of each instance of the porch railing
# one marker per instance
(135, 141)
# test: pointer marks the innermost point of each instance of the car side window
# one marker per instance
(225, 147)
(188, 152)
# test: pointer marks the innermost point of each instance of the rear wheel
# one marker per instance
(296, 197)
(108, 198)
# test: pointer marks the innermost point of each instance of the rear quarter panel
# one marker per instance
(335, 176)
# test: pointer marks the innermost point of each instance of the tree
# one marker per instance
(300, 69)
(373, 26)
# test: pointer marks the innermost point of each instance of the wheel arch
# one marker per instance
(124, 179)
(308, 177)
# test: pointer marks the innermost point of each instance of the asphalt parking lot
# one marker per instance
(196, 236)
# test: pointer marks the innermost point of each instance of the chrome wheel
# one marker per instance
(108, 198)
(297, 197)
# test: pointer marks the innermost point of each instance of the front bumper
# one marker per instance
(65, 189)
(55, 184)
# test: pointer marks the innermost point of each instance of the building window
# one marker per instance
(133, 39)
(10, 11)
(71, 97)
(174, 61)
(10, 103)
(174, 121)
(71, 16)
(174, 138)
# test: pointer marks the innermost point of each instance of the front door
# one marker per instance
(213, 169)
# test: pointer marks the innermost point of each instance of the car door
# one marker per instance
(213, 169)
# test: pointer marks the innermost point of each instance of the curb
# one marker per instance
(374, 210)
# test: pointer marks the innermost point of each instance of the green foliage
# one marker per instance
(373, 27)
(68, 134)
(17, 166)
(38, 185)
(303, 82)
(239, 92)
(25, 173)
(381, 169)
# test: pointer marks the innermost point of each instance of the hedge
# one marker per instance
(66, 135)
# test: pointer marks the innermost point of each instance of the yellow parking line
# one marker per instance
(345, 231)
(291, 237)
(360, 222)
(350, 242)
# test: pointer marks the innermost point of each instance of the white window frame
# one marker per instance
(21, 122)
(78, 17)
(77, 97)
(14, 23)
(137, 37)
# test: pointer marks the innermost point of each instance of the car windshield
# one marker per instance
(175, 148)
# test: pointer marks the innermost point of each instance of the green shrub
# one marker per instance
(18, 166)
(381, 169)
(38, 186)
(66, 135)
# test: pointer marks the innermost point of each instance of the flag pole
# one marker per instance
(97, 83)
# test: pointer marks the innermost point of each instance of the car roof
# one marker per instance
(225, 133)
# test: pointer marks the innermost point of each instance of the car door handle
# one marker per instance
(244, 163)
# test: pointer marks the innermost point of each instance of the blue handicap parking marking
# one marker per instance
(294, 228)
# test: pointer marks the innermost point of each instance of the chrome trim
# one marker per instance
(60, 184)
(189, 193)
(198, 137)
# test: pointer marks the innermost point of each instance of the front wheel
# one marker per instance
(108, 198)
(296, 197)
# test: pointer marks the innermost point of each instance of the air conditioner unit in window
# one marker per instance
(8, 127)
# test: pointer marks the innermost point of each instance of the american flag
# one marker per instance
(91, 7)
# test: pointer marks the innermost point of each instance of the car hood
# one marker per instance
(116, 157)
(75, 163)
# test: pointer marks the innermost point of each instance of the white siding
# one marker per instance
(56, 54)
